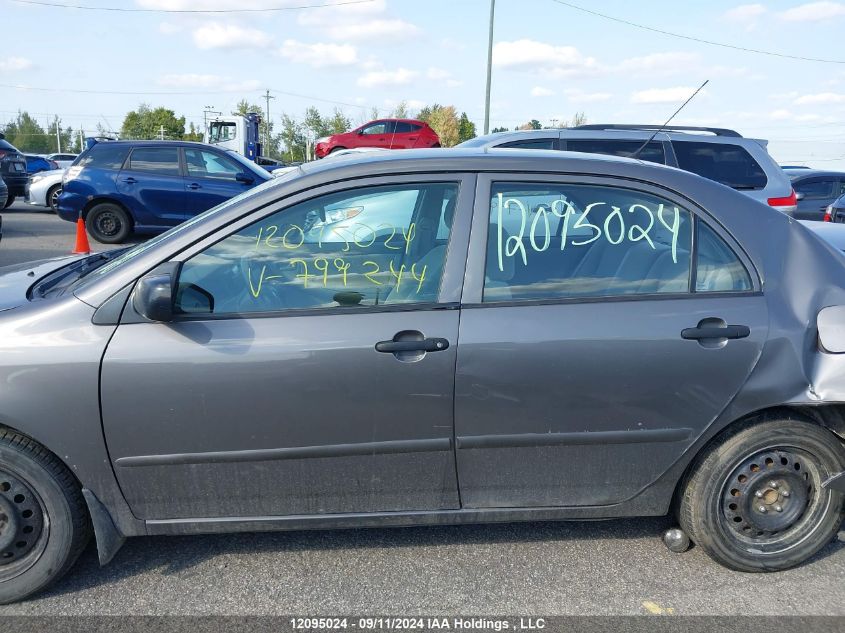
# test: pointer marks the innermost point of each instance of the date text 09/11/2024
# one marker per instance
(418, 623)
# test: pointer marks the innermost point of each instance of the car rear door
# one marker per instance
(815, 194)
(211, 178)
(304, 374)
(152, 186)
(597, 341)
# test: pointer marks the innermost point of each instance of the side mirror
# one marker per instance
(360, 132)
(154, 293)
(245, 178)
(800, 196)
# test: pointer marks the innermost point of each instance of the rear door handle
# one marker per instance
(713, 332)
(130, 180)
(424, 345)
(194, 185)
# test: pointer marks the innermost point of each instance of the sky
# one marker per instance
(550, 61)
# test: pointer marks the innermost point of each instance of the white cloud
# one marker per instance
(813, 12)
(579, 96)
(168, 28)
(746, 15)
(319, 55)
(822, 97)
(444, 76)
(559, 61)
(398, 77)
(217, 35)
(357, 22)
(374, 30)
(539, 91)
(664, 95)
(787, 115)
(15, 64)
(659, 64)
(216, 82)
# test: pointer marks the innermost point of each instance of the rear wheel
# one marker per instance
(53, 197)
(9, 202)
(108, 223)
(43, 521)
(755, 502)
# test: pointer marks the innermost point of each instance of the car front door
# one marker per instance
(211, 178)
(815, 194)
(594, 346)
(152, 186)
(377, 134)
(309, 370)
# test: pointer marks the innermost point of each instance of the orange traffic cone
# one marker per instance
(82, 246)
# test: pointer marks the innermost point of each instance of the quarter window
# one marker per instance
(366, 247)
(728, 164)
(718, 269)
(161, 160)
(558, 241)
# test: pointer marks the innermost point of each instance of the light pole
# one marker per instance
(489, 69)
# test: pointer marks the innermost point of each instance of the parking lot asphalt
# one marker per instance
(615, 567)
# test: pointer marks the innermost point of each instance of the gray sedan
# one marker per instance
(493, 336)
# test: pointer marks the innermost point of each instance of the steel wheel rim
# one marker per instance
(108, 224)
(24, 526)
(796, 472)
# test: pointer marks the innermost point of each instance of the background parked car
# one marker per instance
(36, 164)
(716, 153)
(62, 160)
(149, 186)
(4, 193)
(45, 188)
(13, 170)
(383, 133)
(815, 190)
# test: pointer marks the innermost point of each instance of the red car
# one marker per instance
(384, 133)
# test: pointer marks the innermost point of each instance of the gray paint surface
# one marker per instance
(282, 382)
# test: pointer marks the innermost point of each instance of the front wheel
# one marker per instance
(43, 521)
(108, 223)
(754, 501)
(53, 197)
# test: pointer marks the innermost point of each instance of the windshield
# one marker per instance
(131, 254)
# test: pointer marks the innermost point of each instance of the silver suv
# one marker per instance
(716, 153)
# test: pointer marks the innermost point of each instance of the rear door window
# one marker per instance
(653, 152)
(728, 164)
(160, 160)
(406, 128)
(816, 189)
(553, 241)
(534, 143)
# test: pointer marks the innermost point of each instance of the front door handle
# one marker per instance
(715, 332)
(130, 180)
(194, 185)
(424, 345)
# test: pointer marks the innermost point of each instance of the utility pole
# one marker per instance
(489, 69)
(267, 97)
(58, 137)
(161, 132)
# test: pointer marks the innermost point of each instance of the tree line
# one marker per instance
(294, 140)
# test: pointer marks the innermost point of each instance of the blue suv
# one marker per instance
(149, 186)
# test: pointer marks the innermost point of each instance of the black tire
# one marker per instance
(754, 501)
(108, 223)
(53, 197)
(46, 524)
(9, 202)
